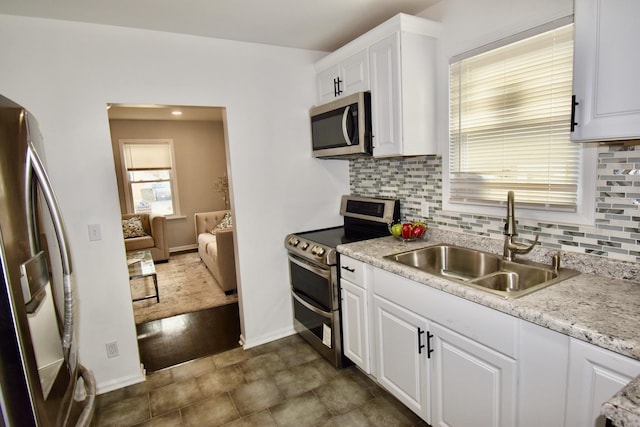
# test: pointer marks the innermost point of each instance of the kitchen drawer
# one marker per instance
(354, 271)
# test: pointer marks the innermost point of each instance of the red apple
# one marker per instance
(417, 231)
(406, 230)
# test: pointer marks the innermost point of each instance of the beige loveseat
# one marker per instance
(216, 250)
(155, 238)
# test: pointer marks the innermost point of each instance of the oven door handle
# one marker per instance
(308, 306)
(322, 272)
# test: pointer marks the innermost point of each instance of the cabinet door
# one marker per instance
(355, 72)
(355, 325)
(347, 77)
(472, 385)
(326, 84)
(605, 76)
(401, 355)
(386, 115)
(595, 375)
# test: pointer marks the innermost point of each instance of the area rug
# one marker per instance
(185, 285)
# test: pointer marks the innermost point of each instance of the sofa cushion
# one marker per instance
(132, 227)
(137, 243)
(205, 238)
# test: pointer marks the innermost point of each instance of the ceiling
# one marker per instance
(321, 25)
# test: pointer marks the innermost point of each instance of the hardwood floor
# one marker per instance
(178, 339)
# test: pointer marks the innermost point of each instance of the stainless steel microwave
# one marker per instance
(342, 128)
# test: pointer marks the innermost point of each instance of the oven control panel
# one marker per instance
(310, 250)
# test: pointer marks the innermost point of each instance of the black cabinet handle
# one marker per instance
(429, 349)
(420, 345)
(349, 269)
(336, 86)
(574, 104)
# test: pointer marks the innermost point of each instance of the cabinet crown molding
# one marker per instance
(400, 22)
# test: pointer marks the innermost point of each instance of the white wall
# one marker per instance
(65, 73)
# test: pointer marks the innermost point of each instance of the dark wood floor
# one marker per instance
(174, 340)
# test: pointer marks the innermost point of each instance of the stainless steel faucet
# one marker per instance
(511, 248)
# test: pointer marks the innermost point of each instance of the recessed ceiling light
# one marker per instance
(176, 113)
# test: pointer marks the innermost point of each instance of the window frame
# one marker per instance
(586, 192)
(173, 180)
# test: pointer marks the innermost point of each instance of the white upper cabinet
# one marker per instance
(403, 95)
(346, 77)
(396, 61)
(605, 75)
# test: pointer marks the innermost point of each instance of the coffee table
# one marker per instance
(141, 265)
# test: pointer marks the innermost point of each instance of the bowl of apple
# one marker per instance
(408, 231)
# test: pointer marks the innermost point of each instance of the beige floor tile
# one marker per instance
(298, 380)
(173, 419)
(259, 419)
(256, 396)
(192, 369)
(342, 394)
(263, 366)
(174, 396)
(353, 418)
(230, 357)
(304, 410)
(124, 413)
(220, 380)
(214, 411)
(297, 353)
(380, 412)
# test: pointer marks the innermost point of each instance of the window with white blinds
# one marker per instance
(510, 112)
(149, 176)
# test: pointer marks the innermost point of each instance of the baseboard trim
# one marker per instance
(118, 383)
(283, 333)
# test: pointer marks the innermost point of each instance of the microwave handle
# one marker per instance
(345, 132)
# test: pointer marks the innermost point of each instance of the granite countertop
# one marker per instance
(599, 306)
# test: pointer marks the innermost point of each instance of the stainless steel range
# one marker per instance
(314, 270)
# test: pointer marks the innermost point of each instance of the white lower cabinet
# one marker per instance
(455, 375)
(471, 385)
(595, 375)
(403, 365)
(460, 364)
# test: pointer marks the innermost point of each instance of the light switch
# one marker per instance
(94, 232)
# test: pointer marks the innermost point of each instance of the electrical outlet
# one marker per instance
(424, 209)
(112, 349)
(94, 232)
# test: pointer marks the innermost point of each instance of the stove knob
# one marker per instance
(294, 241)
(320, 251)
(304, 246)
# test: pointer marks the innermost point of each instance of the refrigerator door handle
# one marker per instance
(35, 167)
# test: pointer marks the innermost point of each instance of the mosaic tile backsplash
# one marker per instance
(616, 234)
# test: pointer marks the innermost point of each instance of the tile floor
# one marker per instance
(282, 383)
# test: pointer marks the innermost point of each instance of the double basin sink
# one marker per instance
(482, 270)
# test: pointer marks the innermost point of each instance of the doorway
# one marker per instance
(187, 177)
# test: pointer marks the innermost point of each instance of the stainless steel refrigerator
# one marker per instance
(42, 382)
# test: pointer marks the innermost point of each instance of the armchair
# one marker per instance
(155, 238)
